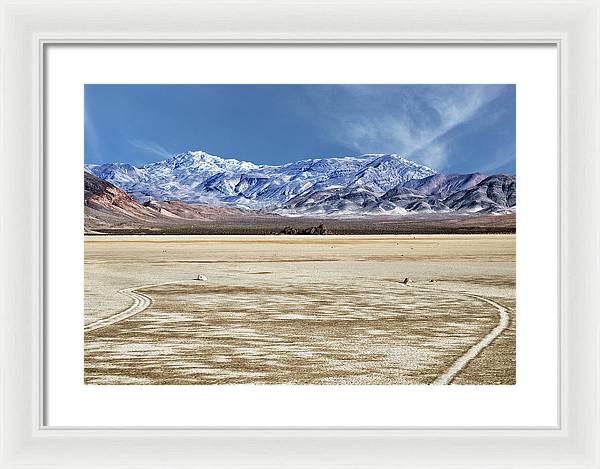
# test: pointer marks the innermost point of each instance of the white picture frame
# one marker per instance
(28, 27)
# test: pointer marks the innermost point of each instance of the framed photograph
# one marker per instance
(287, 234)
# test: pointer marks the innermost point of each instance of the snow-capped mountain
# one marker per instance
(370, 184)
(200, 177)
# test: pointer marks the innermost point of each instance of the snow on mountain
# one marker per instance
(387, 171)
(107, 206)
(199, 177)
(444, 184)
(351, 199)
(118, 174)
(370, 184)
(495, 194)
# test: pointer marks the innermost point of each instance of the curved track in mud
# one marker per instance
(142, 302)
(475, 350)
(463, 361)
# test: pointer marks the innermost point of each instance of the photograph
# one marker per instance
(299, 234)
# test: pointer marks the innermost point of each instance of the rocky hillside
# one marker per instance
(107, 206)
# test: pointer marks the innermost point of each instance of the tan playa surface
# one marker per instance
(300, 309)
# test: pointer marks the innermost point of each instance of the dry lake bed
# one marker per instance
(300, 309)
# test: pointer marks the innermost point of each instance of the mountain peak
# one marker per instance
(196, 155)
(199, 160)
(189, 157)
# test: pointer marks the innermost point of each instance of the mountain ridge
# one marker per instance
(365, 185)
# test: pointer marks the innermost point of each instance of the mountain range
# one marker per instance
(365, 185)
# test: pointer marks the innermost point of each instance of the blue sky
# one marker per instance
(452, 128)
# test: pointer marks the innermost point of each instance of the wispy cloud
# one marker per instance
(499, 162)
(151, 148)
(410, 120)
(92, 139)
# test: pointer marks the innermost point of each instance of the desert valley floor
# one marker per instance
(300, 309)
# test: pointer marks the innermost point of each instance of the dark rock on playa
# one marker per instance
(313, 230)
(317, 230)
(288, 230)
